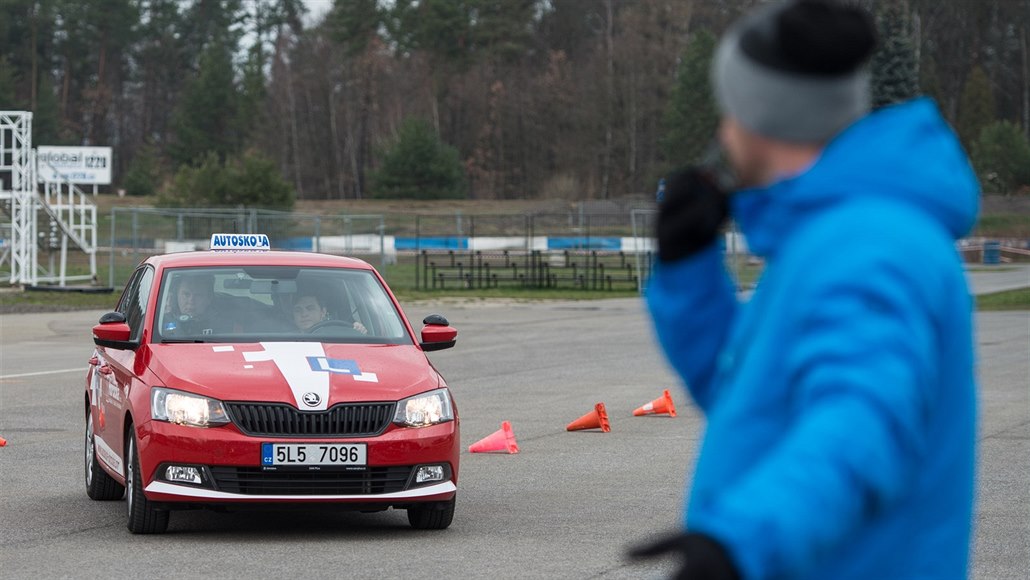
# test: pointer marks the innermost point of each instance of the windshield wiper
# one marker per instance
(183, 341)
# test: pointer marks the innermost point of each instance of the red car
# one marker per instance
(237, 379)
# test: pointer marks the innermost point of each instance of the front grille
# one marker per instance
(256, 481)
(343, 420)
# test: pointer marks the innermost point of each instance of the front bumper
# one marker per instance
(163, 491)
(231, 462)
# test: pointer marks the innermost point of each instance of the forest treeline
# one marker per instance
(493, 99)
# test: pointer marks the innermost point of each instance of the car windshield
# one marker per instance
(276, 303)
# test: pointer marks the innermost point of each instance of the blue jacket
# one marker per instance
(840, 399)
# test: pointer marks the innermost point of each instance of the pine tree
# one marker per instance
(8, 85)
(250, 110)
(894, 74)
(142, 177)
(691, 118)
(46, 118)
(206, 119)
(975, 107)
(1001, 156)
(257, 182)
(420, 166)
(503, 29)
(250, 180)
(353, 23)
(929, 81)
(441, 28)
(162, 65)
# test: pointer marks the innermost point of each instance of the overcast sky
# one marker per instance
(316, 9)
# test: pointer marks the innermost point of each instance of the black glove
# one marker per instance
(703, 558)
(690, 217)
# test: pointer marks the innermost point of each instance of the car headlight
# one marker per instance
(425, 409)
(186, 409)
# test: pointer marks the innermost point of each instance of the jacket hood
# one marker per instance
(905, 152)
(285, 372)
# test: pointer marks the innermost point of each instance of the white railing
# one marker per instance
(75, 215)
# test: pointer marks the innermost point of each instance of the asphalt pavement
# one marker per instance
(567, 506)
(998, 278)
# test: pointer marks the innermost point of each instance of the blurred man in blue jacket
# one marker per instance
(840, 399)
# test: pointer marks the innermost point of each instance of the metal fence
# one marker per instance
(599, 247)
(584, 248)
(587, 250)
(136, 233)
(575, 250)
(581, 270)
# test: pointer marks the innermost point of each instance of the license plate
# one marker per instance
(313, 454)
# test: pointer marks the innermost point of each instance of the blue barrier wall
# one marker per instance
(581, 243)
(431, 243)
(612, 244)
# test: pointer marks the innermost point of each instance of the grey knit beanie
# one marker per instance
(795, 71)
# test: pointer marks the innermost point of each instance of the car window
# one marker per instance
(276, 303)
(131, 287)
(133, 303)
(375, 304)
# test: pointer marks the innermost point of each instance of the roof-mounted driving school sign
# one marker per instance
(240, 242)
(89, 165)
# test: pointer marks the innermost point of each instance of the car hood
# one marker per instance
(312, 376)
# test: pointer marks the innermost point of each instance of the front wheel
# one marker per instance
(432, 516)
(99, 485)
(144, 518)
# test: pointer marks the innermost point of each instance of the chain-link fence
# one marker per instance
(136, 233)
(605, 249)
(592, 246)
(588, 250)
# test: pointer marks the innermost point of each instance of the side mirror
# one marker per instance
(113, 332)
(437, 334)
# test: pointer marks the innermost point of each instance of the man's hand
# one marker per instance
(692, 214)
(703, 558)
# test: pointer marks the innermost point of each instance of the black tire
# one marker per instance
(144, 518)
(99, 485)
(432, 516)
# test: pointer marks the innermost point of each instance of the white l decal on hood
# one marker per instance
(292, 360)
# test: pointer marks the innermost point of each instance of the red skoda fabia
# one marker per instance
(233, 380)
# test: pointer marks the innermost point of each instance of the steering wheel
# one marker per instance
(186, 325)
(334, 323)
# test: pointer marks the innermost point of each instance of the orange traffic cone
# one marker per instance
(659, 406)
(598, 418)
(501, 440)
(3, 442)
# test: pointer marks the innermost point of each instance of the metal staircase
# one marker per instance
(69, 212)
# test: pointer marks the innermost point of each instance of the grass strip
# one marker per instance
(1007, 300)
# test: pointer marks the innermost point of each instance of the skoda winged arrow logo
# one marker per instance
(311, 399)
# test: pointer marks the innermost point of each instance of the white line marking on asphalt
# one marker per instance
(35, 374)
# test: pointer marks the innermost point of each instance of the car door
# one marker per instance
(118, 368)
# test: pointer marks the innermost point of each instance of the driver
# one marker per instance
(309, 310)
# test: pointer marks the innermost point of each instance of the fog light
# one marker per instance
(183, 474)
(429, 473)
